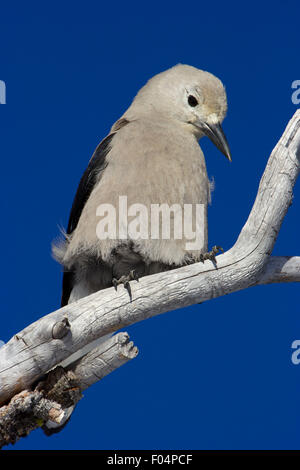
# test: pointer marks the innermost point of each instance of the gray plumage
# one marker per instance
(152, 156)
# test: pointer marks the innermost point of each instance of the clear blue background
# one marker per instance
(213, 376)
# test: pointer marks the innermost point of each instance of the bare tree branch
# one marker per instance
(51, 339)
(281, 269)
(52, 401)
(104, 359)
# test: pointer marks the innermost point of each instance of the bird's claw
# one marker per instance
(189, 259)
(211, 255)
(125, 280)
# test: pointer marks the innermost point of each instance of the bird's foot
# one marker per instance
(211, 255)
(190, 259)
(125, 280)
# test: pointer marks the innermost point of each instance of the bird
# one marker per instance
(153, 157)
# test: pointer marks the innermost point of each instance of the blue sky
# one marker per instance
(213, 376)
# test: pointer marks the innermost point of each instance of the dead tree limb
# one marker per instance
(54, 337)
(51, 401)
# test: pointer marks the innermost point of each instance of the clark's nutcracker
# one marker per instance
(151, 156)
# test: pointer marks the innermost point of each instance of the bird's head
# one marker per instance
(194, 97)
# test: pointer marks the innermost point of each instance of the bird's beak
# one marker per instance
(216, 134)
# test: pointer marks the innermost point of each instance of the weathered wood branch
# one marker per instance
(52, 400)
(104, 359)
(281, 269)
(48, 341)
(25, 412)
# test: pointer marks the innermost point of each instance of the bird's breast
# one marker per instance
(147, 166)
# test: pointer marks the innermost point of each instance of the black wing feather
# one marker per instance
(88, 180)
(86, 185)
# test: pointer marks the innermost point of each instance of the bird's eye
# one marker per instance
(192, 101)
